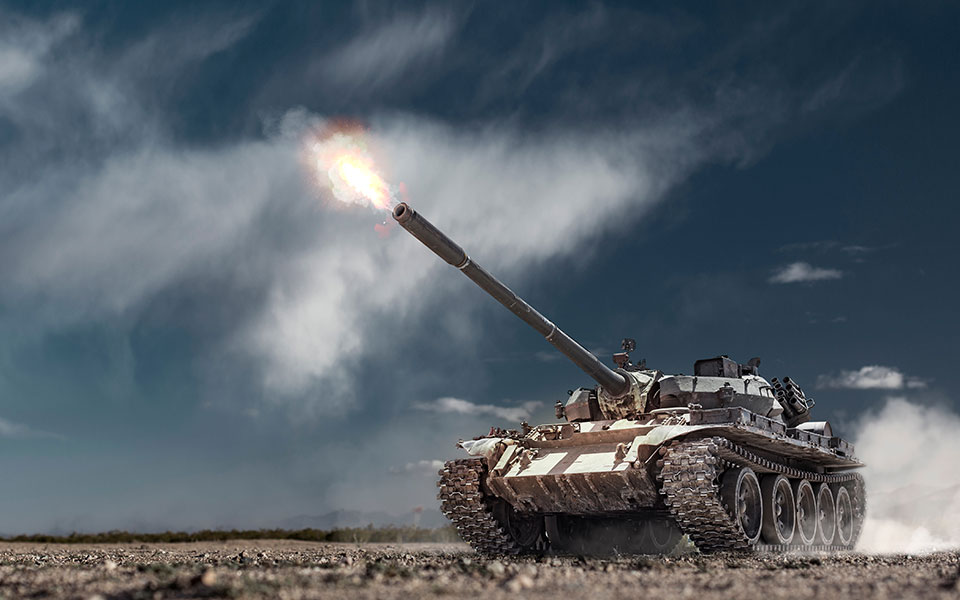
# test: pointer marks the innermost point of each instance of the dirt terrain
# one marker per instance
(270, 569)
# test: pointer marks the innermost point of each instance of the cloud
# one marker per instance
(136, 224)
(856, 249)
(381, 55)
(192, 39)
(801, 272)
(870, 377)
(869, 79)
(17, 68)
(84, 100)
(465, 407)
(138, 214)
(23, 46)
(98, 241)
(829, 246)
(135, 213)
(547, 356)
(913, 484)
(421, 467)
(510, 200)
(9, 429)
(548, 42)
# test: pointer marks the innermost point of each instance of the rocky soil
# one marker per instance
(270, 569)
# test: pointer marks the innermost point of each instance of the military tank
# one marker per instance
(729, 459)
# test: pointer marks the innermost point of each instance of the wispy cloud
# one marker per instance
(856, 249)
(140, 212)
(24, 45)
(548, 356)
(384, 53)
(544, 45)
(871, 377)
(829, 246)
(9, 429)
(420, 467)
(802, 272)
(869, 78)
(465, 407)
(574, 185)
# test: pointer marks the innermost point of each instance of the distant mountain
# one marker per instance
(340, 519)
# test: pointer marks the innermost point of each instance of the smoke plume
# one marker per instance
(913, 483)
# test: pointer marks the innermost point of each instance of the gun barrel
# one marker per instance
(612, 382)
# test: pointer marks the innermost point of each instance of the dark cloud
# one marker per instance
(802, 272)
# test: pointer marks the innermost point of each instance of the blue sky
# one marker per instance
(192, 335)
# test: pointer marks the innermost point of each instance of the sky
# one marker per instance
(194, 334)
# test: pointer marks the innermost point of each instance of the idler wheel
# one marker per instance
(806, 501)
(779, 510)
(740, 491)
(844, 508)
(566, 533)
(826, 514)
(525, 530)
(660, 536)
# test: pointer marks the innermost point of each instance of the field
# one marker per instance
(295, 569)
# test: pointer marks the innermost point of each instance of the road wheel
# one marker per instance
(779, 510)
(826, 515)
(806, 502)
(845, 516)
(740, 492)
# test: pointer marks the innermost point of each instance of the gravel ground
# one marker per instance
(282, 569)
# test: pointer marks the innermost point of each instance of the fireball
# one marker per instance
(345, 166)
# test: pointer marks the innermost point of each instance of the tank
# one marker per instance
(727, 458)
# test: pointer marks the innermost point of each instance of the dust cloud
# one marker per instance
(912, 453)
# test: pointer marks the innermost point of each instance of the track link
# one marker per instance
(690, 472)
(463, 502)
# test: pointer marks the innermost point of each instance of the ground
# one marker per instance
(274, 569)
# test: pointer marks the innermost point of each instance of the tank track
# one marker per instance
(463, 502)
(690, 471)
